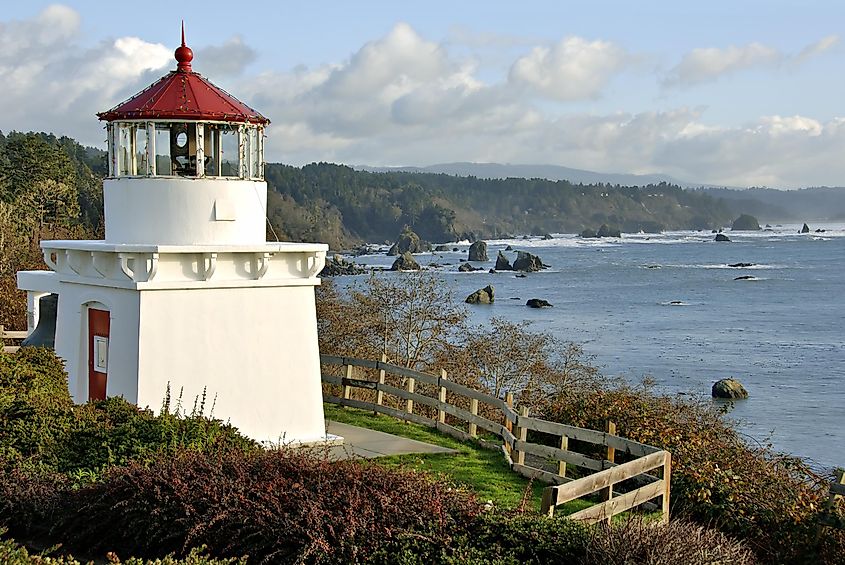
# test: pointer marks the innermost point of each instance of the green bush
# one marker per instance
(36, 411)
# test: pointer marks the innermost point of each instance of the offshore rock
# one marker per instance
(527, 262)
(481, 296)
(478, 251)
(589, 233)
(728, 388)
(409, 242)
(338, 266)
(805, 229)
(722, 237)
(746, 222)
(607, 231)
(405, 262)
(502, 263)
(538, 303)
(467, 268)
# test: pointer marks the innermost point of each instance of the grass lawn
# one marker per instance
(483, 470)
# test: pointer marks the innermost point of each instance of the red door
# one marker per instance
(98, 353)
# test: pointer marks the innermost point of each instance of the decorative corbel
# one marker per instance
(262, 262)
(209, 264)
(124, 265)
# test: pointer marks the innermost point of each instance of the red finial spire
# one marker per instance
(183, 54)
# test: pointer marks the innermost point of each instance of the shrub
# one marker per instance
(277, 507)
(493, 539)
(634, 541)
(36, 410)
(12, 553)
(113, 432)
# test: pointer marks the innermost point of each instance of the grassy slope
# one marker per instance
(483, 470)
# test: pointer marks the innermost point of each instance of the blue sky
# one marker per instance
(732, 93)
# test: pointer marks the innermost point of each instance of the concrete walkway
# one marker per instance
(368, 444)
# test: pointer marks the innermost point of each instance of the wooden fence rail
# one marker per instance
(13, 335)
(512, 424)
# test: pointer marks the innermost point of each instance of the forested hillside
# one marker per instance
(50, 188)
(360, 205)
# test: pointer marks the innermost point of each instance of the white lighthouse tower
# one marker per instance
(185, 291)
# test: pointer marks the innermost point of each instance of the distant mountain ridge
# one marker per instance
(549, 172)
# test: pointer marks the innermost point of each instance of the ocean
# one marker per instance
(668, 306)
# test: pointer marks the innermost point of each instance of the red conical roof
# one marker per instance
(184, 95)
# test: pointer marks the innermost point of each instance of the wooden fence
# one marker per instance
(9, 335)
(443, 399)
(831, 517)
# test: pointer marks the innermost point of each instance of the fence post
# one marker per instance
(561, 465)
(409, 404)
(381, 373)
(441, 414)
(473, 409)
(347, 390)
(549, 501)
(667, 479)
(607, 493)
(521, 435)
(508, 423)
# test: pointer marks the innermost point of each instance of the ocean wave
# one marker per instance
(727, 266)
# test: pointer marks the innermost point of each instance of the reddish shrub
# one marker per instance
(280, 506)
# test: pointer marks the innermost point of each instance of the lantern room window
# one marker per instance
(186, 149)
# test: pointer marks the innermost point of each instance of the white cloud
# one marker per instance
(705, 64)
(710, 63)
(573, 69)
(54, 84)
(821, 46)
(229, 59)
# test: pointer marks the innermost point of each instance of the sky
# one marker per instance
(721, 92)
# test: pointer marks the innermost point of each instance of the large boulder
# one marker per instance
(722, 237)
(338, 266)
(481, 296)
(408, 242)
(589, 233)
(440, 248)
(746, 222)
(538, 303)
(478, 251)
(468, 268)
(607, 231)
(527, 262)
(405, 262)
(728, 388)
(805, 229)
(502, 263)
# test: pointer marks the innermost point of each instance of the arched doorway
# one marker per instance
(98, 351)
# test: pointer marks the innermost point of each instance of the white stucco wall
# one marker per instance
(185, 211)
(253, 349)
(72, 337)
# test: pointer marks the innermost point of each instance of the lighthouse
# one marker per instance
(185, 293)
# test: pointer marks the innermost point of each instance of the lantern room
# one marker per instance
(172, 140)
